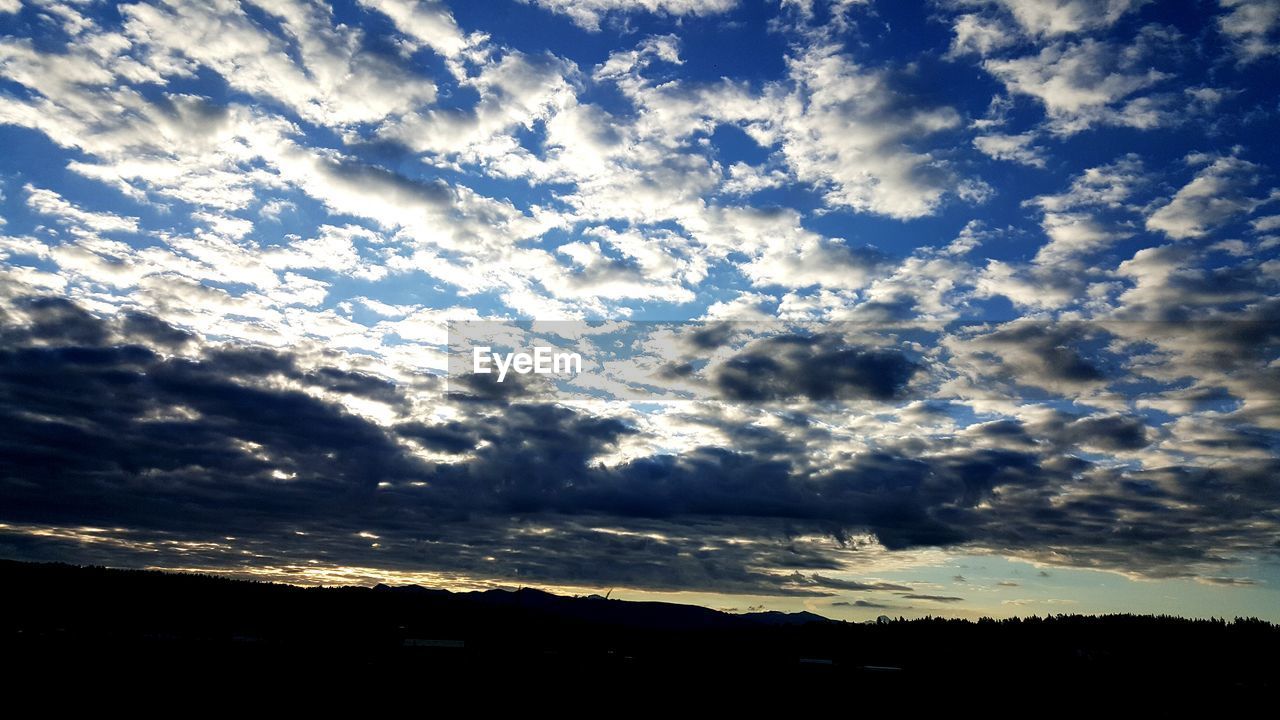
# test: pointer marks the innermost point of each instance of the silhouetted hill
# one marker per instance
(160, 622)
(773, 617)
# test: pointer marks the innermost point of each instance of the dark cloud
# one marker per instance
(815, 367)
(452, 437)
(1230, 581)
(106, 427)
(862, 604)
(353, 383)
(1047, 351)
(1109, 433)
(709, 336)
(149, 329)
(849, 585)
(54, 319)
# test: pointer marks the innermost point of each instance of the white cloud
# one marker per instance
(743, 306)
(624, 62)
(515, 91)
(22, 280)
(979, 34)
(588, 13)
(1155, 274)
(927, 286)
(331, 83)
(334, 249)
(48, 202)
(1014, 148)
(72, 20)
(1266, 224)
(1214, 196)
(1072, 219)
(432, 213)
(847, 130)
(984, 27)
(229, 226)
(1051, 18)
(970, 237)
(1035, 286)
(295, 289)
(1104, 186)
(273, 209)
(1072, 235)
(386, 310)
(746, 179)
(806, 259)
(1077, 225)
(11, 245)
(1252, 27)
(658, 265)
(975, 191)
(426, 21)
(1087, 83)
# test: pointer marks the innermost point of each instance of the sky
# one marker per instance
(952, 308)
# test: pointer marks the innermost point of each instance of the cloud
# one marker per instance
(1109, 433)
(426, 21)
(862, 604)
(1072, 220)
(1168, 281)
(1266, 224)
(1020, 357)
(1252, 28)
(848, 130)
(975, 33)
(1229, 581)
(807, 259)
(1014, 148)
(1105, 186)
(515, 90)
(48, 202)
(588, 14)
(853, 132)
(1089, 82)
(1049, 18)
(856, 585)
(202, 440)
(1000, 24)
(1216, 195)
(657, 265)
(329, 83)
(820, 368)
(337, 249)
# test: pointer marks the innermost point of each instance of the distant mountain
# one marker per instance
(625, 613)
(774, 617)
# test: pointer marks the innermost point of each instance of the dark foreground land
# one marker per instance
(71, 623)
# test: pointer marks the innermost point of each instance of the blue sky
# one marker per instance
(1039, 241)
